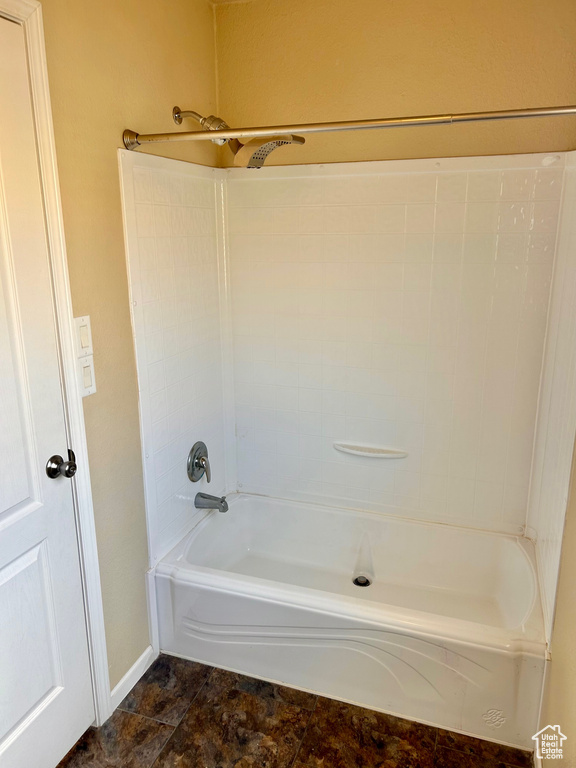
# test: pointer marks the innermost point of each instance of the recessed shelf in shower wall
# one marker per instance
(371, 451)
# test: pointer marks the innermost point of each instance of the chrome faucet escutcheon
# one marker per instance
(198, 464)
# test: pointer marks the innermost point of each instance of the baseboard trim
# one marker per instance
(123, 688)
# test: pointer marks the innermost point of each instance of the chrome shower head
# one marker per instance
(253, 154)
(210, 123)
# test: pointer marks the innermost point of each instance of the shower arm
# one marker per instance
(132, 139)
(178, 115)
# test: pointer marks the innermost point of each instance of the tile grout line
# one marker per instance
(163, 722)
(146, 717)
(312, 713)
(193, 699)
(159, 755)
(175, 728)
(161, 749)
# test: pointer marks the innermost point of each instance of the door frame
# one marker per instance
(28, 13)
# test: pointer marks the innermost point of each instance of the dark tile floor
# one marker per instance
(182, 714)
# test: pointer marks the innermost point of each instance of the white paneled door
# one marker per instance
(46, 699)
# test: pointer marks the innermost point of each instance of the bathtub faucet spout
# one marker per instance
(205, 501)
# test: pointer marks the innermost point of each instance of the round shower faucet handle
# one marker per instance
(198, 464)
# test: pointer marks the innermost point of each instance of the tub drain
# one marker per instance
(361, 581)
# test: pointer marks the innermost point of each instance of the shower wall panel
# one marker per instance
(171, 243)
(401, 305)
(550, 484)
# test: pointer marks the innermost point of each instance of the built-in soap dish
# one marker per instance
(373, 452)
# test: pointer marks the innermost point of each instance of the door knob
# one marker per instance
(56, 466)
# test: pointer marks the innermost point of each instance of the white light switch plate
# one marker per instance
(86, 375)
(84, 346)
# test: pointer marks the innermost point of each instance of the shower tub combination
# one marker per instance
(342, 591)
(448, 631)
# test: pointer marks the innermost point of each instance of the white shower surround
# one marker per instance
(502, 211)
(170, 217)
(396, 308)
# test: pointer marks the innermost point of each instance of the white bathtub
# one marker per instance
(449, 632)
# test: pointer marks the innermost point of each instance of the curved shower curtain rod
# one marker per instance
(132, 139)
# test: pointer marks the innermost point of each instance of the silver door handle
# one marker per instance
(57, 467)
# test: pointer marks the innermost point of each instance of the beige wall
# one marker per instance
(115, 65)
(317, 60)
(560, 694)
